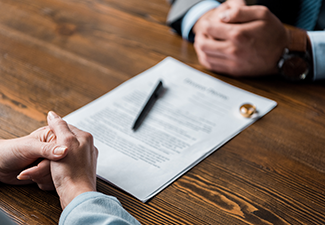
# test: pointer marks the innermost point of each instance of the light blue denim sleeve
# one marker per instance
(194, 14)
(317, 39)
(97, 209)
(4, 219)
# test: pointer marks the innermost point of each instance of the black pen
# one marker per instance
(151, 101)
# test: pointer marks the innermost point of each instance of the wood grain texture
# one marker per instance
(62, 54)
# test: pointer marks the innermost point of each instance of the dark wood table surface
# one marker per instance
(62, 54)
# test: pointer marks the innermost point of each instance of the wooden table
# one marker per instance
(61, 54)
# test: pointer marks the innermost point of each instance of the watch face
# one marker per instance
(295, 68)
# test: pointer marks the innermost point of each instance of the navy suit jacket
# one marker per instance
(286, 10)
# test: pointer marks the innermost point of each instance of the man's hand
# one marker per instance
(240, 41)
(214, 15)
(18, 154)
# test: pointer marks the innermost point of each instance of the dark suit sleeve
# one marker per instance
(286, 10)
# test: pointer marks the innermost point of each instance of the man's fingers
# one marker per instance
(218, 49)
(220, 65)
(216, 55)
(212, 47)
(235, 3)
(244, 14)
(220, 31)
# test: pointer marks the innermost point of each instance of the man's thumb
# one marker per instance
(236, 3)
(244, 14)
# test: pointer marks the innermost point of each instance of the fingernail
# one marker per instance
(60, 151)
(23, 177)
(52, 115)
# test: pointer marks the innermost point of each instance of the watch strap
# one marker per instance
(297, 40)
(298, 47)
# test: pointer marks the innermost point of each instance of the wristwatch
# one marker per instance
(295, 63)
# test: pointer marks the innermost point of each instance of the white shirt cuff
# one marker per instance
(194, 14)
(317, 39)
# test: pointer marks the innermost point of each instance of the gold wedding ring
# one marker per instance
(247, 110)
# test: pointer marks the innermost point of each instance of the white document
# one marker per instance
(196, 115)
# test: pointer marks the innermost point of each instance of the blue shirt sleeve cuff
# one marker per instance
(317, 39)
(83, 198)
(96, 208)
(194, 14)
